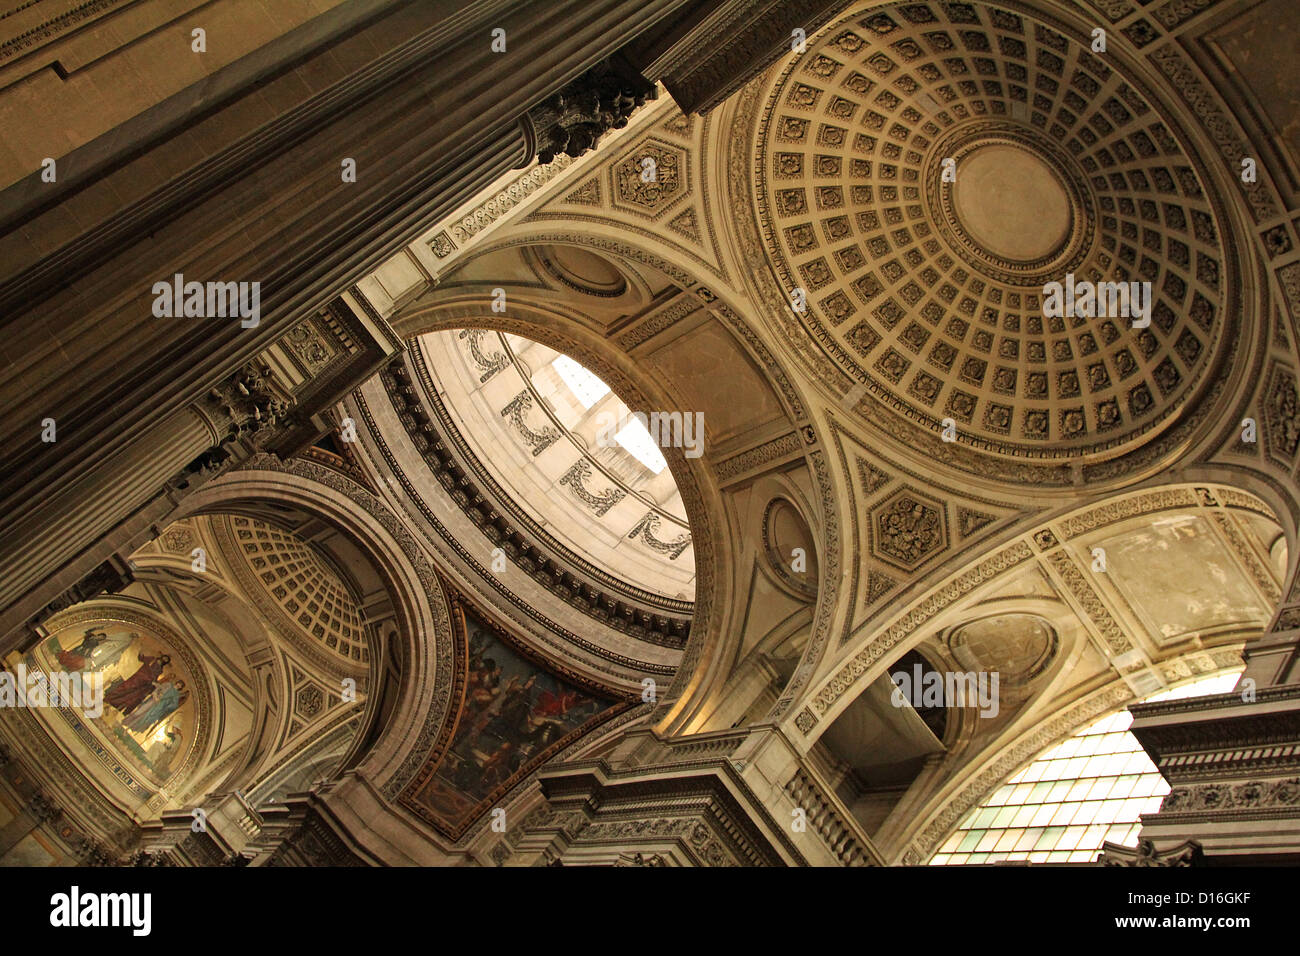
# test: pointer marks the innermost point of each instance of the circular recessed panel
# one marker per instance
(1019, 647)
(791, 547)
(1011, 203)
(583, 270)
(931, 293)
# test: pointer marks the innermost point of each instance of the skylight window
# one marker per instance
(587, 388)
(636, 439)
(1088, 789)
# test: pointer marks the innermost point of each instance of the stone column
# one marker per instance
(252, 191)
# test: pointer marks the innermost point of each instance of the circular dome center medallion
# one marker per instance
(1010, 202)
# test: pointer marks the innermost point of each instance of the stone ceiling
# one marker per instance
(930, 293)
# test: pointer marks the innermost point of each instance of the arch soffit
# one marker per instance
(866, 652)
(424, 696)
(696, 481)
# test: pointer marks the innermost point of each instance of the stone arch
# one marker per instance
(1034, 540)
(701, 672)
(698, 490)
(389, 746)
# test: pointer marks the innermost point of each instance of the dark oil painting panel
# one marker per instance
(514, 713)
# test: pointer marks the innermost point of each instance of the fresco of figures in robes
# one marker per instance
(513, 714)
(147, 715)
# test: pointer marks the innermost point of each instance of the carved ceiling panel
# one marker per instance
(909, 522)
(907, 527)
(652, 187)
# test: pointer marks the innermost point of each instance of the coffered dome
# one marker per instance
(929, 289)
(306, 594)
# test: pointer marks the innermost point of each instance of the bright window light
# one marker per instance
(586, 387)
(636, 439)
(1086, 790)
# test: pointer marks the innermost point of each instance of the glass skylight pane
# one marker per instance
(1007, 840)
(1080, 789)
(1094, 787)
(1064, 811)
(586, 387)
(636, 439)
(1070, 838)
(1059, 790)
(1043, 815)
(1027, 841)
(1051, 837)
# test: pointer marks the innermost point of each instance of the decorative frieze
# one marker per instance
(488, 364)
(647, 526)
(537, 440)
(1086, 595)
(600, 503)
(1213, 798)
(1282, 415)
(756, 457)
(312, 348)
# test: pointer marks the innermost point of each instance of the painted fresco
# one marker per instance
(148, 713)
(514, 713)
